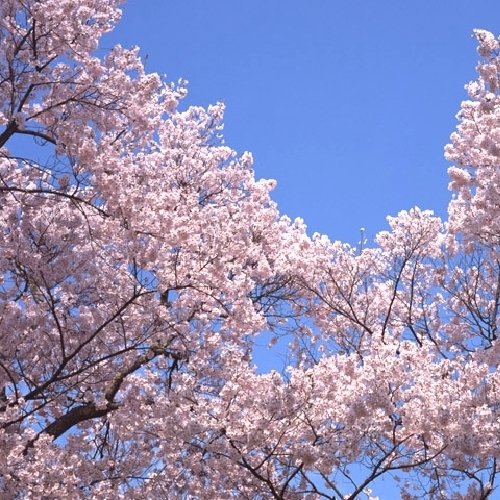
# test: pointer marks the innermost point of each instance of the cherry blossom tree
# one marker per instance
(140, 259)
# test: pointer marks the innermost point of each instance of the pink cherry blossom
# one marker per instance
(140, 259)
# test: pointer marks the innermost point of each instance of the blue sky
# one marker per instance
(347, 103)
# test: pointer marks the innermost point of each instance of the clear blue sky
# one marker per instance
(347, 103)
